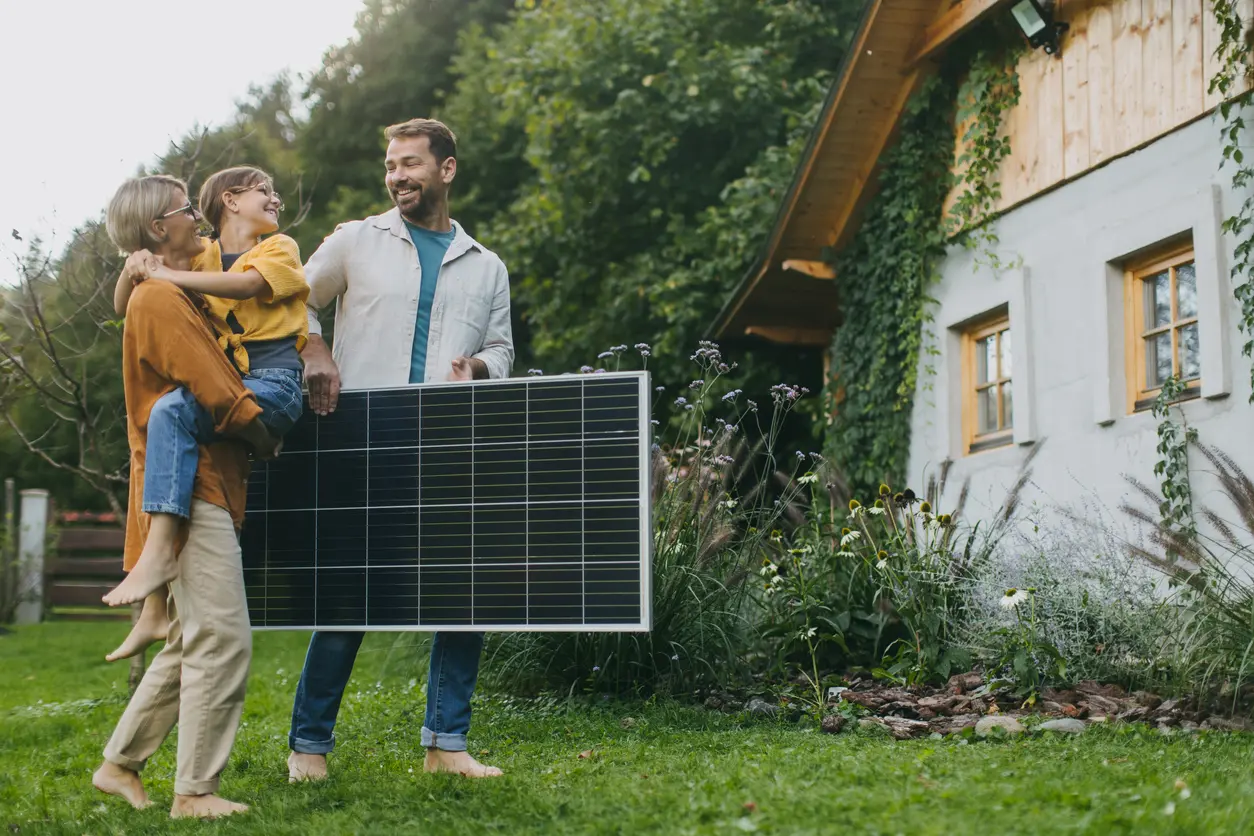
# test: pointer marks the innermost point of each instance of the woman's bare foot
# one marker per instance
(122, 782)
(302, 767)
(459, 763)
(204, 807)
(153, 626)
(157, 564)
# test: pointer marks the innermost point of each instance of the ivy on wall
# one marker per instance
(887, 270)
(1235, 64)
(883, 276)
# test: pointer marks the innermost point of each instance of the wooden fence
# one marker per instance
(85, 563)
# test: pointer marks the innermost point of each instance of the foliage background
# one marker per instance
(625, 158)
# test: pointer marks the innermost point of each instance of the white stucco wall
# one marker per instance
(1067, 322)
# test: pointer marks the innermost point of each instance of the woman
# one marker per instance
(255, 290)
(198, 679)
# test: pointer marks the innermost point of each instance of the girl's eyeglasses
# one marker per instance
(263, 187)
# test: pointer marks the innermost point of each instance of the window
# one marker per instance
(1161, 312)
(988, 403)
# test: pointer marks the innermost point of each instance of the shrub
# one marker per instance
(1211, 576)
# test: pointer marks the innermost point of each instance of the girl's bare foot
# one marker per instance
(459, 763)
(150, 628)
(204, 807)
(122, 782)
(302, 767)
(157, 564)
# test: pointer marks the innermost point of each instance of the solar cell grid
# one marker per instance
(505, 505)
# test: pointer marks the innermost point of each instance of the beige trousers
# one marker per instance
(198, 678)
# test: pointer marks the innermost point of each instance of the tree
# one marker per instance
(632, 117)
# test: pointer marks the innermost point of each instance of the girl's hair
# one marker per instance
(135, 205)
(241, 178)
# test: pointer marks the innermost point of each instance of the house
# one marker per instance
(1114, 272)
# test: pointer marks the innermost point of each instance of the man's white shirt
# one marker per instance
(371, 267)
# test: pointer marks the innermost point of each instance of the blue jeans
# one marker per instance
(178, 424)
(450, 682)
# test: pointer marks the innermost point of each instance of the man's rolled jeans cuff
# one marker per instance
(167, 508)
(310, 747)
(443, 741)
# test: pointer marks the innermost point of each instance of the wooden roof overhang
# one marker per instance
(789, 294)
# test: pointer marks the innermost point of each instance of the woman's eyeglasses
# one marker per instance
(186, 209)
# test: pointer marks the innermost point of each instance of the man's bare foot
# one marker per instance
(302, 767)
(122, 782)
(459, 763)
(204, 807)
(146, 631)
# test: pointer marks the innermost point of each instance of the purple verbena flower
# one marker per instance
(585, 370)
(605, 354)
(696, 384)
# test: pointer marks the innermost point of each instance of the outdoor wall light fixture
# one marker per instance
(1038, 24)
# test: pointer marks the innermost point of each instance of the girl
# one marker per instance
(255, 289)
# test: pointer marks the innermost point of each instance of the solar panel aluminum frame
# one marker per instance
(645, 624)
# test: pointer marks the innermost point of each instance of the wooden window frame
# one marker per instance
(971, 336)
(1135, 332)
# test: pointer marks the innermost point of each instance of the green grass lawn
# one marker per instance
(671, 769)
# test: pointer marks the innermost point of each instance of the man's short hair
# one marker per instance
(237, 179)
(135, 205)
(442, 141)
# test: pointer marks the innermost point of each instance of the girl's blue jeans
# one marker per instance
(178, 424)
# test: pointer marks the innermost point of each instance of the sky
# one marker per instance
(92, 89)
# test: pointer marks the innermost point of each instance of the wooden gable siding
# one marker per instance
(1129, 72)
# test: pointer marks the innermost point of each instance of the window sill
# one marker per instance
(993, 442)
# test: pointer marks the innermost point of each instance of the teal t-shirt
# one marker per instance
(431, 248)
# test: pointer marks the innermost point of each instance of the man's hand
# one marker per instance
(468, 368)
(322, 376)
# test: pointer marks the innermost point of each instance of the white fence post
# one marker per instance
(32, 537)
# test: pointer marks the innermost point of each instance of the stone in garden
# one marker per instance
(627, 722)
(955, 724)
(1060, 697)
(1066, 725)
(905, 729)
(1136, 714)
(940, 703)
(1234, 724)
(762, 708)
(963, 682)
(1098, 704)
(1050, 707)
(1145, 698)
(1007, 724)
(832, 724)
(1088, 686)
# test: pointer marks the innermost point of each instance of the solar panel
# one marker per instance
(516, 504)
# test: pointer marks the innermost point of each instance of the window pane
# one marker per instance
(985, 359)
(1186, 290)
(1157, 359)
(1157, 299)
(1190, 360)
(1005, 353)
(1007, 405)
(986, 411)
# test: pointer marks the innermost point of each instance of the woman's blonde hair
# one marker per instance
(135, 205)
(237, 179)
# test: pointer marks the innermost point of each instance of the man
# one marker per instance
(419, 300)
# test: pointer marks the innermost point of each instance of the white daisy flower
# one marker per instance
(850, 537)
(875, 512)
(808, 479)
(1013, 598)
